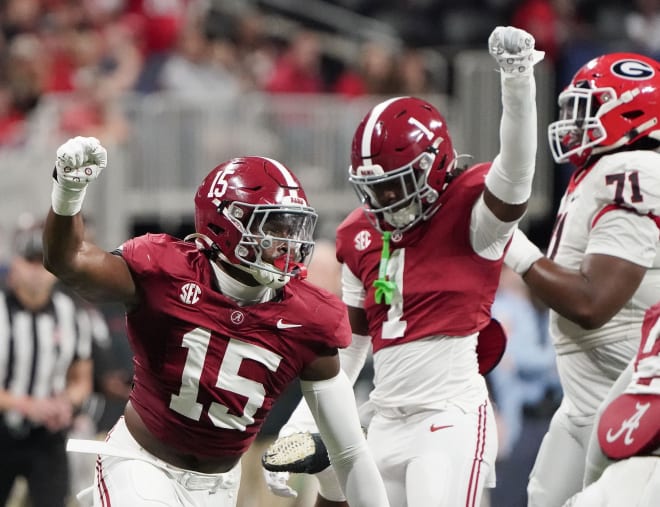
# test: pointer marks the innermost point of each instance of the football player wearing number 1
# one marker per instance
(219, 324)
(603, 266)
(421, 263)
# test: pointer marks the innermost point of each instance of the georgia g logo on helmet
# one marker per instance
(632, 69)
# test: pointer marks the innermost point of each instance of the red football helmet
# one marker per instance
(612, 101)
(253, 213)
(400, 157)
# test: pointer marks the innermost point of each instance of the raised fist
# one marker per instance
(513, 50)
(79, 161)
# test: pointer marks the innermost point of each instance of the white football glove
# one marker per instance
(277, 484)
(513, 50)
(79, 161)
(522, 253)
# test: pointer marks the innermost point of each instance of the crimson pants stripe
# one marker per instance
(471, 498)
(101, 484)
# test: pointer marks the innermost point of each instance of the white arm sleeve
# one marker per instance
(353, 357)
(352, 360)
(511, 174)
(333, 405)
(352, 290)
(488, 234)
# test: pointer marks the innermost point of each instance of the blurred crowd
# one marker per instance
(98, 51)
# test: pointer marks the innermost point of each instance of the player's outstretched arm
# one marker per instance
(299, 447)
(509, 180)
(589, 296)
(94, 273)
(332, 403)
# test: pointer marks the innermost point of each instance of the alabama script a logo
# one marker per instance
(628, 426)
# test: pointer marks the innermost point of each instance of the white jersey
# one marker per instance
(610, 209)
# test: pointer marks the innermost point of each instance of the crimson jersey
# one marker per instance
(433, 265)
(207, 371)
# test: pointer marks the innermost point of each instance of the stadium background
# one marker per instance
(126, 70)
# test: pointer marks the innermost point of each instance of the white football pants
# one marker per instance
(586, 378)
(633, 482)
(435, 458)
(146, 481)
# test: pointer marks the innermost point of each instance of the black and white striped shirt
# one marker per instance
(37, 348)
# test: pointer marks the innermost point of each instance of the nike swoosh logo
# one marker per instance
(282, 325)
(436, 428)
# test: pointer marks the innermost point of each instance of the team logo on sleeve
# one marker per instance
(362, 240)
(190, 293)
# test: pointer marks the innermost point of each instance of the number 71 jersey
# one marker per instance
(207, 371)
(611, 208)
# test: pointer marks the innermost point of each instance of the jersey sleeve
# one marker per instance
(342, 336)
(323, 313)
(628, 197)
(626, 235)
(141, 254)
(353, 293)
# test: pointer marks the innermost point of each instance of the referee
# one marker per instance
(45, 375)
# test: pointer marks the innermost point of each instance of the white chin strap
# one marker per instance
(402, 217)
(269, 279)
(265, 277)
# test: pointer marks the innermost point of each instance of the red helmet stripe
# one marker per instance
(369, 127)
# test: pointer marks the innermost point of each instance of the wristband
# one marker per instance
(67, 201)
(522, 253)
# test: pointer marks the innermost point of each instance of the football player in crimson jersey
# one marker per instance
(629, 431)
(219, 324)
(421, 262)
(602, 270)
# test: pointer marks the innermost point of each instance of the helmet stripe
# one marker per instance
(286, 174)
(369, 129)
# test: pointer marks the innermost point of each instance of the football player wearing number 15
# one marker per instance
(602, 270)
(219, 324)
(421, 263)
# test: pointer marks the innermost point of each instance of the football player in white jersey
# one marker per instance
(421, 262)
(629, 431)
(602, 270)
